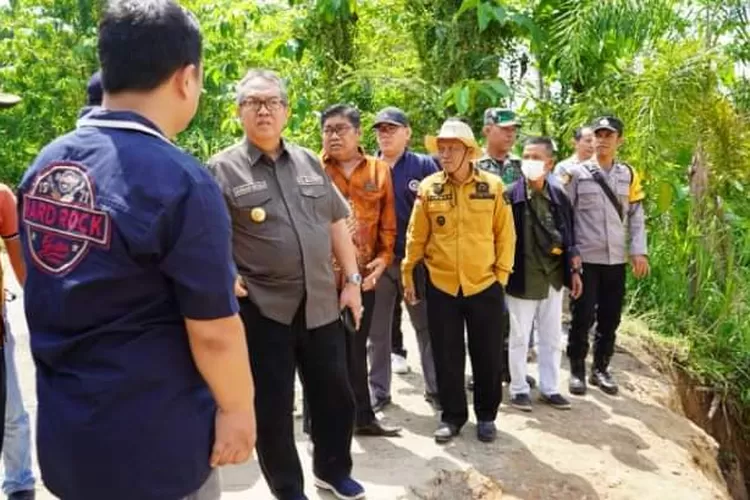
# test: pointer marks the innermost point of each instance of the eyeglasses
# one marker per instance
(339, 130)
(272, 104)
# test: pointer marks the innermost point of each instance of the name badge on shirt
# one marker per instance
(482, 192)
(251, 187)
(309, 180)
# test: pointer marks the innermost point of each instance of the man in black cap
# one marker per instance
(407, 171)
(610, 229)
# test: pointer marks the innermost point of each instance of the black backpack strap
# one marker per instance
(597, 175)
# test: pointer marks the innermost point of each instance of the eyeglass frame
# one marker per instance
(258, 103)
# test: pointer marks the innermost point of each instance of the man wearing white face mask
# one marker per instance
(546, 261)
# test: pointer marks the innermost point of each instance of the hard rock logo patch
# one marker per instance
(61, 219)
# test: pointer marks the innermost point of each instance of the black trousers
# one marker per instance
(356, 347)
(319, 355)
(480, 314)
(602, 299)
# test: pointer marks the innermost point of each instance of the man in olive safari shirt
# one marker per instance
(463, 228)
(287, 221)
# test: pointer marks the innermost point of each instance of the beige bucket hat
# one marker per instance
(454, 129)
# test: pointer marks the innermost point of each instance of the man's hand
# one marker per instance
(240, 290)
(235, 437)
(376, 268)
(640, 266)
(410, 296)
(577, 286)
(351, 297)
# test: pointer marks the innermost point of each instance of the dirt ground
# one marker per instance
(627, 447)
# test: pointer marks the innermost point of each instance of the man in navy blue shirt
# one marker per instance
(407, 171)
(143, 381)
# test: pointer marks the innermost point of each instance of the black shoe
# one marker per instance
(377, 429)
(22, 495)
(486, 431)
(445, 433)
(380, 404)
(531, 381)
(556, 401)
(577, 384)
(521, 402)
(604, 380)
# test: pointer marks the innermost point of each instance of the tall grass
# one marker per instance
(700, 290)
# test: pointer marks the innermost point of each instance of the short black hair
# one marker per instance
(547, 142)
(346, 110)
(143, 42)
(578, 133)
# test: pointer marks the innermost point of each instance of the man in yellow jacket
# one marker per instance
(463, 229)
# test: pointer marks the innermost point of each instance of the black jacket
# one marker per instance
(562, 213)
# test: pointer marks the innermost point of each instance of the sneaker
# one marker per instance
(345, 489)
(604, 380)
(399, 364)
(445, 433)
(521, 402)
(556, 401)
(486, 431)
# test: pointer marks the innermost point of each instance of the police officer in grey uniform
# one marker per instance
(610, 229)
(288, 220)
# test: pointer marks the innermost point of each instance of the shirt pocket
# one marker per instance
(367, 204)
(254, 211)
(315, 202)
(589, 195)
(441, 216)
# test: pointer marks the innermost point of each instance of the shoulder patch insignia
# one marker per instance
(61, 219)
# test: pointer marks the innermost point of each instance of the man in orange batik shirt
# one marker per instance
(365, 182)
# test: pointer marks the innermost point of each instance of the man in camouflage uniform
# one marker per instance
(501, 129)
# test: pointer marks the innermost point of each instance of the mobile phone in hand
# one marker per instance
(347, 319)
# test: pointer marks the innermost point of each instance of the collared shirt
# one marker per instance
(602, 237)
(406, 174)
(464, 232)
(542, 269)
(282, 211)
(509, 169)
(369, 192)
(124, 236)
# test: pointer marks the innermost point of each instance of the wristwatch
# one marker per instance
(354, 279)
